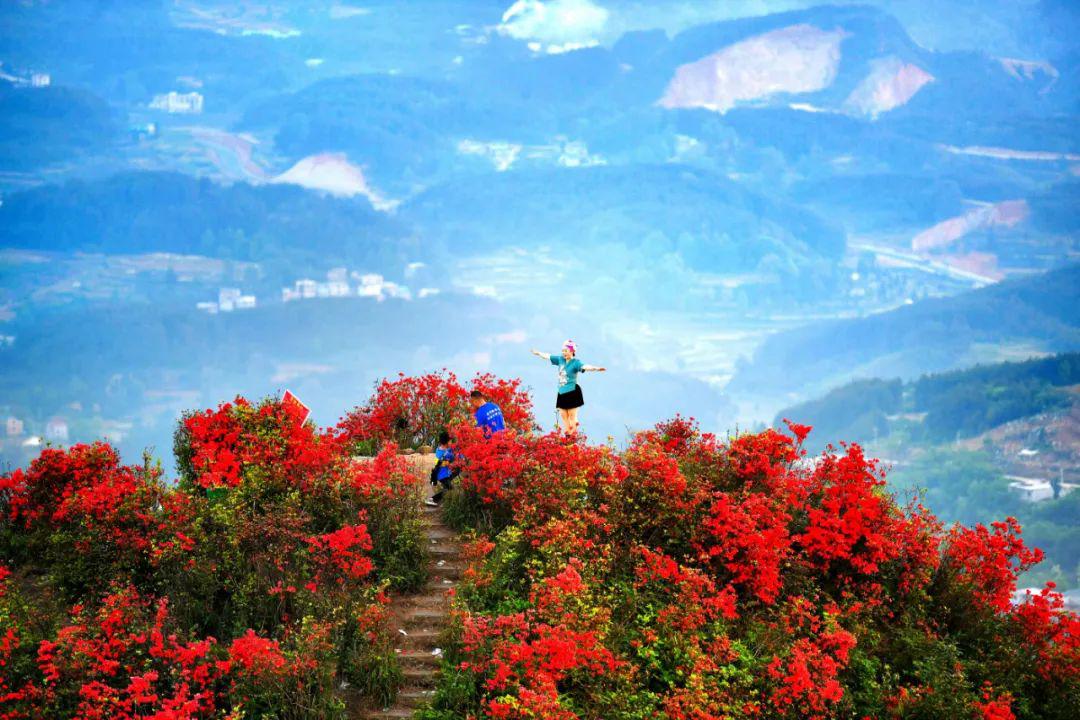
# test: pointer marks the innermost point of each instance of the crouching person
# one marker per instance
(443, 474)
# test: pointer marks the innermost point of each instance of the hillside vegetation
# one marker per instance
(139, 212)
(685, 577)
(957, 404)
(932, 335)
(967, 486)
(52, 125)
(920, 420)
(966, 403)
(252, 586)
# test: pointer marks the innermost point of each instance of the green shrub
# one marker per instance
(371, 666)
(464, 509)
(400, 547)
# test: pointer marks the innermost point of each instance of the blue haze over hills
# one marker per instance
(705, 195)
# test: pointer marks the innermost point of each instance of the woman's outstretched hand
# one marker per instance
(538, 354)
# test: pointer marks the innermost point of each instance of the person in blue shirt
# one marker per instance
(444, 472)
(488, 415)
(569, 398)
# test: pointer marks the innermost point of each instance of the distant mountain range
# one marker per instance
(100, 365)
(280, 226)
(675, 184)
(42, 126)
(941, 407)
(832, 110)
(1015, 318)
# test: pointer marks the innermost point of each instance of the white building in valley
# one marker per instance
(229, 299)
(342, 283)
(176, 103)
(1036, 489)
(56, 430)
(14, 427)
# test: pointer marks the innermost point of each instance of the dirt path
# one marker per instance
(417, 619)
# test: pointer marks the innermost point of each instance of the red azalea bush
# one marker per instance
(988, 561)
(239, 442)
(121, 659)
(248, 589)
(89, 517)
(512, 399)
(411, 411)
(684, 578)
(126, 659)
(689, 578)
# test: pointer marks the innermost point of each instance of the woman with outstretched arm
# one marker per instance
(569, 398)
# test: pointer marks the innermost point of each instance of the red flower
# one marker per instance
(236, 440)
(799, 431)
(994, 707)
(342, 551)
(990, 561)
(256, 655)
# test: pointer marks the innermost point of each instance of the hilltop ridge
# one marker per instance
(279, 564)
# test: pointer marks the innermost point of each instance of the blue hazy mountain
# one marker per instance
(156, 212)
(707, 213)
(1021, 317)
(742, 200)
(408, 131)
(53, 124)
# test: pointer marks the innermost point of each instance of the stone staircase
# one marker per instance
(418, 619)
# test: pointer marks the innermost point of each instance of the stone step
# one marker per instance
(420, 634)
(427, 613)
(439, 549)
(440, 583)
(415, 696)
(421, 626)
(420, 618)
(420, 677)
(446, 563)
(417, 647)
(444, 573)
(422, 660)
(421, 657)
(433, 592)
(396, 711)
(421, 668)
(418, 700)
(432, 600)
(418, 644)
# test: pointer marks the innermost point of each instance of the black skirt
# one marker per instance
(570, 400)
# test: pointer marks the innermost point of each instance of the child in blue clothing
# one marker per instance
(444, 472)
